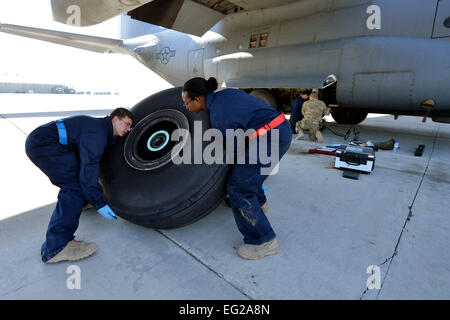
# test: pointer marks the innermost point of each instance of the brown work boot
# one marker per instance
(319, 136)
(265, 207)
(74, 250)
(258, 251)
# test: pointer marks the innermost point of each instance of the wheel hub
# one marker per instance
(148, 146)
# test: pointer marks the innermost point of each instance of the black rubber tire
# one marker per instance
(348, 117)
(265, 96)
(171, 195)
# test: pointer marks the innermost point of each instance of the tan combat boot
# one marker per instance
(265, 207)
(74, 250)
(253, 251)
(300, 135)
(319, 136)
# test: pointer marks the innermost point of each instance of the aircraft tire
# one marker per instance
(265, 96)
(348, 117)
(143, 185)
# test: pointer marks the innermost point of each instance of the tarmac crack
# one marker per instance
(202, 262)
(408, 218)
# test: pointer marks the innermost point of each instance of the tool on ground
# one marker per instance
(356, 158)
(350, 174)
(328, 151)
(346, 136)
(384, 145)
(369, 144)
(419, 150)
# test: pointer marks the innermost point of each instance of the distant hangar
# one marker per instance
(8, 87)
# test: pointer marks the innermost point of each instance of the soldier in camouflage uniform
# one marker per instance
(313, 112)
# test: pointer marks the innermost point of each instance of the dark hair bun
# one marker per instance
(212, 84)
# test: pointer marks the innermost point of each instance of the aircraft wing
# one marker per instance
(82, 13)
(189, 16)
(91, 43)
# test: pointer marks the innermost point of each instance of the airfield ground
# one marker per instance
(330, 229)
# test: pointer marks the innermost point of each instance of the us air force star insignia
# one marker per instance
(165, 54)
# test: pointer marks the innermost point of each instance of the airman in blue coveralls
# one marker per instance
(68, 151)
(235, 109)
(296, 108)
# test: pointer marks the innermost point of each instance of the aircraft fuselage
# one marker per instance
(387, 56)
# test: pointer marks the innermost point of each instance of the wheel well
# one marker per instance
(285, 96)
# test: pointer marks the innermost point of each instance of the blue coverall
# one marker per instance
(296, 112)
(74, 168)
(234, 109)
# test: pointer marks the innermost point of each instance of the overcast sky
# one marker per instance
(28, 60)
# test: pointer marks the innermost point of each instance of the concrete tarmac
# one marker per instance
(332, 231)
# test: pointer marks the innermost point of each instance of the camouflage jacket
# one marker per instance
(315, 110)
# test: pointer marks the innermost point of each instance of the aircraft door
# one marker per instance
(442, 20)
(195, 63)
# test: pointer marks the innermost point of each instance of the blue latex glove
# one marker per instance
(107, 212)
(264, 188)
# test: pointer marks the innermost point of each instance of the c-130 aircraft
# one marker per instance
(379, 56)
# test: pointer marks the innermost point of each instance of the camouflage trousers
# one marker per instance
(308, 124)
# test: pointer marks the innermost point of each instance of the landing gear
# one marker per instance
(348, 117)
